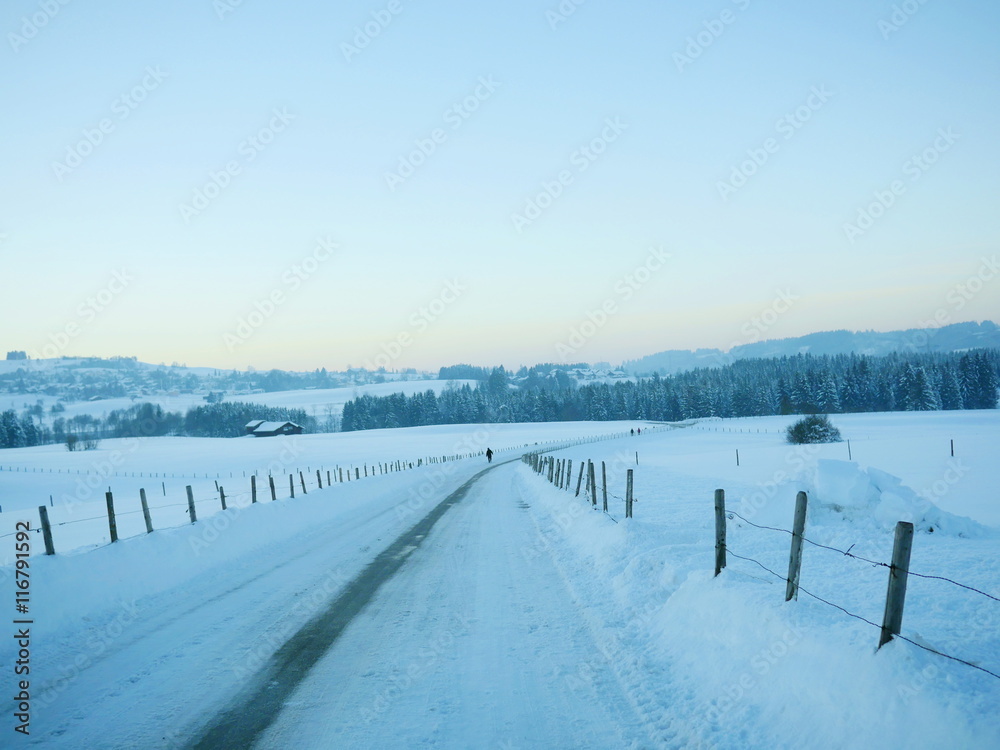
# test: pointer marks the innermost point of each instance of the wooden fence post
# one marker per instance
(604, 485)
(328, 481)
(270, 481)
(552, 470)
(145, 511)
(291, 485)
(319, 479)
(795, 560)
(340, 475)
(43, 512)
(892, 621)
(191, 510)
(357, 473)
(569, 473)
(579, 480)
(112, 524)
(720, 531)
(593, 484)
(253, 488)
(302, 479)
(222, 496)
(628, 494)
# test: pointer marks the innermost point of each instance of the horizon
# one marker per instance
(402, 186)
(506, 366)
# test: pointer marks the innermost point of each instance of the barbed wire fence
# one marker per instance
(297, 479)
(559, 472)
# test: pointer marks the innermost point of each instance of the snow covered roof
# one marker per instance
(272, 426)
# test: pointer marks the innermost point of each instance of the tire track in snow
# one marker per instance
(256, 707)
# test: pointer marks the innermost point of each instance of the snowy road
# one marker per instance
(467, 645)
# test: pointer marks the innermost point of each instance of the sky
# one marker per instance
(415, 184)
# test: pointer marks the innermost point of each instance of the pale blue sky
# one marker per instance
(523, 286)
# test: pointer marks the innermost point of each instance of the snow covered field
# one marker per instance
(76, 481)
(524, 618)
(316, 402)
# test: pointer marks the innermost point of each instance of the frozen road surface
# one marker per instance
(462, 634)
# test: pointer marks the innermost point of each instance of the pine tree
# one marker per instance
(951, 390)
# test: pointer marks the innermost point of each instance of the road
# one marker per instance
(460, 635)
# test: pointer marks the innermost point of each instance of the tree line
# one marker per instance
(227, 419)
(802, 384)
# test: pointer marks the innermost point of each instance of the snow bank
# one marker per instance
(740, 667)
(846, 490)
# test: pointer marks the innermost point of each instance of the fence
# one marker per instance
(898, 568)
(261, 486)
(298, 480)
(559, 472)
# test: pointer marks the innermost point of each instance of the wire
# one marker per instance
(859, 617)
(875, 563)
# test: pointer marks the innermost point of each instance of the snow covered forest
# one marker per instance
(144, 420)
(787, 385)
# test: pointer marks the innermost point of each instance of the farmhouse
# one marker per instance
(260, 428)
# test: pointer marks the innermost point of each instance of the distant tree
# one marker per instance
(828, 400)
(71, 441)
(951, 390)
(814, 428)
(17, 355)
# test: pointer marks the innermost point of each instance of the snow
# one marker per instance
(316, 402)
(164, 466)
(525, 618)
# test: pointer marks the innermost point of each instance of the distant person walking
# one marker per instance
(489, 455)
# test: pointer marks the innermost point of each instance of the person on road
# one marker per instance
(489, 455)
